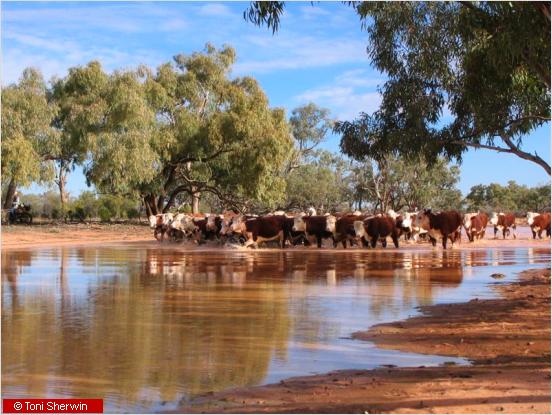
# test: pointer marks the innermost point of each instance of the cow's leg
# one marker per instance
(364, 241)
(319, 241)
(504, 230)
(514, 229)
(374, 241)
(395, 240)
(384, 242)
(495, 231)
(433, 241)
(344, 243)
(282, 238)
(445, 237)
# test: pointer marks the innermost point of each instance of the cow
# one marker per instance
(343, 228)
(503, 221)
(313, 226)
(260, 229)
(403, 223)
(475, 225)
(539, 222)
(182, 225)
(161, 224)
(443, 225)
(375, 228)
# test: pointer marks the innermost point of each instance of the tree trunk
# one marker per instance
(62, 193)
(9, 194)
(151, 205)
(195, 202)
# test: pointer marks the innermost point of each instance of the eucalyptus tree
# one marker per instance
(188, 127)
(396, 183)
(26, 130)
(81, 104)
(461, 75)
(310, 126)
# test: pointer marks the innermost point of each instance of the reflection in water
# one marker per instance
(139, 327)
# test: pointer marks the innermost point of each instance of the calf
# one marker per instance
(503, 221)
(443, 225)
(475, 225)
(403, 222)
(539, 222)
(377, 228)
(313, 227)
(260, 229)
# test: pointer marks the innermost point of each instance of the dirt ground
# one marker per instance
(24, 236)
(507, 339)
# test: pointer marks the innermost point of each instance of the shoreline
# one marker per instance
(506, 338)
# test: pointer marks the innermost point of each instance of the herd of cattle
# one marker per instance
(355, 228)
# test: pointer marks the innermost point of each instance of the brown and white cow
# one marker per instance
(444, 225)
(503, 222)
(260, 229)
(475, 224)
(314, 227)
(539, 222)
(343, 228)
(375, 228)
(160, 224)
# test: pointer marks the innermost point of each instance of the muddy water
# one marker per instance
(144, 328)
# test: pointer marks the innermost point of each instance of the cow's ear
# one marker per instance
(427, 211)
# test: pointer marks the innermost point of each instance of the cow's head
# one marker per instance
(467, 219)
(237, 225)
(407, 221)
(299, 224)
(494, 219)
(359, 228)
(311, 211)
(211, 224)
(531, 217)
(330, 223)
(153, 221)
(421, 220)
(392, 214)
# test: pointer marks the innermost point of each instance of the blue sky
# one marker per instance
(318, 55)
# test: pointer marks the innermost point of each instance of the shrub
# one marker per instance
(104, 214)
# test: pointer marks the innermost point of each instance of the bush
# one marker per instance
(104, 214)
(133, 213)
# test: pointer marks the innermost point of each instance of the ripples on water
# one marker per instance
(143, 328)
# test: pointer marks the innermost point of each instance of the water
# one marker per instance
(144, 328)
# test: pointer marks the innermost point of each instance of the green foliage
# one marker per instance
(310, 126)
(482, 61)
(26, 117)
(487, 64)
(318, 183)
(187, 127)
(402, 184)
(104, 213)
(510, 198)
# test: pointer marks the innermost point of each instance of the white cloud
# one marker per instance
(289, 52)
(348, 95)
(215, 9)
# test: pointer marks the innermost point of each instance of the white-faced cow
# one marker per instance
(503, 222)
(375, 228)
(539, 222)
(475, 225)
(444, 225)
(312, 227)
(160, 224)
(260, 229)
(342, 228)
